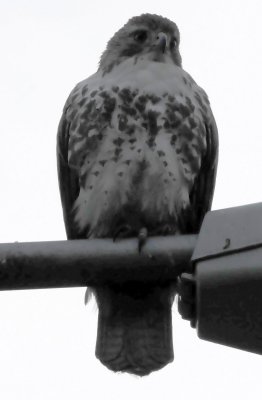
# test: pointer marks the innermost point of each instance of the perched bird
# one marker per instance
(137, 156)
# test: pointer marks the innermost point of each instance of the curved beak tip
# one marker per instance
(162, 41)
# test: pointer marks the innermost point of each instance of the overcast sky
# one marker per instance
(47, 337)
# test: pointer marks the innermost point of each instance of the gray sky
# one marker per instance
(47, 337)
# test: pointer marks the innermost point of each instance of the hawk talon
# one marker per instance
(142, 238)
(122, 232)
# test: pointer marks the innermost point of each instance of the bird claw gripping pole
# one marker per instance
(186, 288)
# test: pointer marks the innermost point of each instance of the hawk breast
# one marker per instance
(137, 139)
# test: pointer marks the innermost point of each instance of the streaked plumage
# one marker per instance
(137, 147)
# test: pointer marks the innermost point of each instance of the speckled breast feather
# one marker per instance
(137, 139)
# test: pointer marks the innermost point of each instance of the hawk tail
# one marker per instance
(135, 328)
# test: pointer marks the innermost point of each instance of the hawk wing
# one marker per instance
(201, 195)
(67, 177)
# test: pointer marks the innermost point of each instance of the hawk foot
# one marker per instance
(123, 231)
(164, 230)
(142, 237)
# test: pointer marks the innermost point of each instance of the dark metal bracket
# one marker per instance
(222, 297)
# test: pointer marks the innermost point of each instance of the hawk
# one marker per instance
(137, 156)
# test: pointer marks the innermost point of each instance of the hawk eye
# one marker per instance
(140, 36)
(173, 44)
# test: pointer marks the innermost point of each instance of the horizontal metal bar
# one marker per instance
(74, 263)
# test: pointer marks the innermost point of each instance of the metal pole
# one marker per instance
(74, 263)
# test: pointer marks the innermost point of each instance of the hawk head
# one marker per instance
(148, 36)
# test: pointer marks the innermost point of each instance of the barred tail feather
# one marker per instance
(135, 328)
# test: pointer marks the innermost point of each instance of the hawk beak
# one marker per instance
(161, 41)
